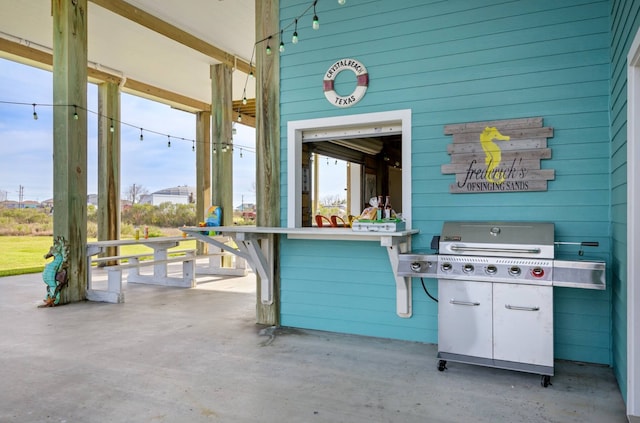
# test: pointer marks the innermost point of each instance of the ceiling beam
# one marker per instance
(44, 60)
(173, 99)
(172, 32)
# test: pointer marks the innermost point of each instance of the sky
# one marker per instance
(26, 144)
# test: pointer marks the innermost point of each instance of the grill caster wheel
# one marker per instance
(442, 365)
(545, 380)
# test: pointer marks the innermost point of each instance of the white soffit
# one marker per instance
(122, 47)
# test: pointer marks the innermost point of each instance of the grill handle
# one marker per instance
(496, 250)
(465, 303)
(512, 307)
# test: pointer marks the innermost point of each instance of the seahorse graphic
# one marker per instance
(493, 153)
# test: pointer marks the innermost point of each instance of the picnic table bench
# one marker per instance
(159, 258)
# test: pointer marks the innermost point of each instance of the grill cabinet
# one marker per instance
(495, 290)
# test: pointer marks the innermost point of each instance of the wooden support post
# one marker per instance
(203, 170)
(70, 138)
(109, 166)
(221, 134)
(268, 146)
(222, 106)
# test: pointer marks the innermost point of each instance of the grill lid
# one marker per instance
(497, 239)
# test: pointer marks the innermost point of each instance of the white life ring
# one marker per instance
(361, 88)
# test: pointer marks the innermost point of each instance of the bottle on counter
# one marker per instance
(379, 211)
(387, 207)
(136, 233)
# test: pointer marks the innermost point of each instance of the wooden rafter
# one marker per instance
(44, 60)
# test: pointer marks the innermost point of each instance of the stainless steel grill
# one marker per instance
(495, 292)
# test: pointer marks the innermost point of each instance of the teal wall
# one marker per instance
(625, 19)
(454, 62)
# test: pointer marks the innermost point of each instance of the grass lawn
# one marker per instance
(25, 254)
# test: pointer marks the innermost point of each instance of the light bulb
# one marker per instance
(75, 113)
(316, 23)
(294, 39)
(342, 2)
(244, 100)
(141, 136)
(281, 48)
(268, 50)
(35, 115)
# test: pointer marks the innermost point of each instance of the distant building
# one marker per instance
(28, 204)
(48, 204)
(177, 195)
(92, 199)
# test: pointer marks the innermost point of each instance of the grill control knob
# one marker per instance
(446, 267)
(537, 272)
(416, 266)
(467, 268)
(491, 269)
(514, 271)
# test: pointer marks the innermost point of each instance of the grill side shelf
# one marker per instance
(579, 274)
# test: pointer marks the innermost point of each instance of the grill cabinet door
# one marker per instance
(523, 323)
(464, 318)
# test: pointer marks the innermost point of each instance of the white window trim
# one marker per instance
(295, 130)
(633, 225)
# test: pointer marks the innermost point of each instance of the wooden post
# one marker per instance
(109, 165)
(70, 138)
(221, 108)
(203, 170)
(268, 145)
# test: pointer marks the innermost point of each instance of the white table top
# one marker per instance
(304, 233)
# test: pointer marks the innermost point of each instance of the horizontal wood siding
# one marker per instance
(625, 20)
(455, 62)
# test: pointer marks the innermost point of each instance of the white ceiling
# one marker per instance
(126, 49)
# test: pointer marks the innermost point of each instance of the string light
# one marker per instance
(141, 136)
(281, 48)
(316, 23)
(193, 146)
(169, 141)
(35, 115)
(294, 38)
(342, 2)
(111, 128)
(268, 50)
(75, 112)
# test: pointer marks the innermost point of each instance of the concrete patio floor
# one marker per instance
(196, 355)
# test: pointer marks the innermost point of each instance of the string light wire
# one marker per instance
(116, 121)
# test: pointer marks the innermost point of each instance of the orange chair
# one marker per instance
(338, 222)
(322, 221)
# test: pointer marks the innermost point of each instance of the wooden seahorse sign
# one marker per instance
(499, 156)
